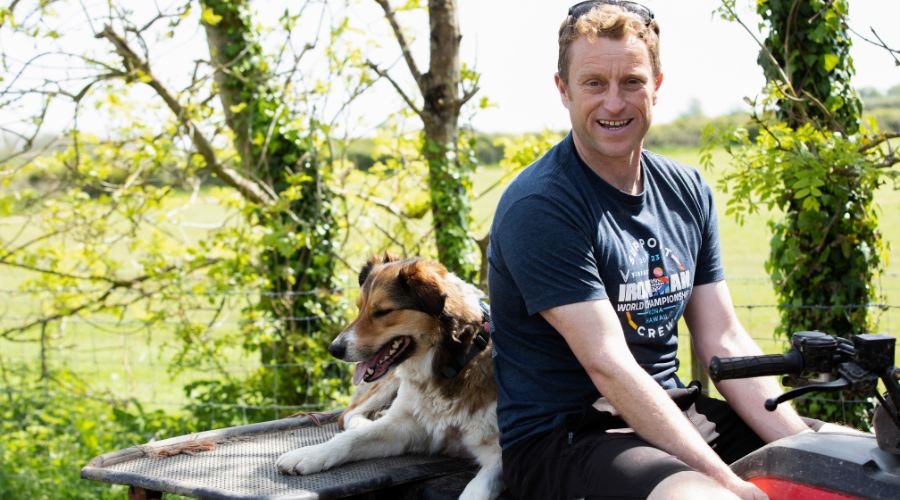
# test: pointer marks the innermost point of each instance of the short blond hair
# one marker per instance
(607, 21)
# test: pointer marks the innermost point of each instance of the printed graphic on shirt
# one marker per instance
(654, 289)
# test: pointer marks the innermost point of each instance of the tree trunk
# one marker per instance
(449, 175)
(823, 261)
(273, 150)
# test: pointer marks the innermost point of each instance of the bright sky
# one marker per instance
(513, 44)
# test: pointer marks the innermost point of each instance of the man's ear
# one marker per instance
(561, 87)
(659, 80)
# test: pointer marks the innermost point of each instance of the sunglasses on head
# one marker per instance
(582, 8)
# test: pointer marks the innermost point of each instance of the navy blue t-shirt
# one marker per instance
(563, 235)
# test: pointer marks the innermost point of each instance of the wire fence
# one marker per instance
(134, 358)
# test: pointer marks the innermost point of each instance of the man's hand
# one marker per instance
(747, 490)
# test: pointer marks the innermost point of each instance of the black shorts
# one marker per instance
(596, 456)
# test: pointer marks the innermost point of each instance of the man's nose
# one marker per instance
(614, 100)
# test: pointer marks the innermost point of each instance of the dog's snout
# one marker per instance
(338, 348)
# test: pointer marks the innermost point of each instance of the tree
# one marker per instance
(98, 237)
(442, 99)
(275, 149)
(813, 160)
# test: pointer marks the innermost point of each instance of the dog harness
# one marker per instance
(479, 344)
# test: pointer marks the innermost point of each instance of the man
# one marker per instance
(597, 249)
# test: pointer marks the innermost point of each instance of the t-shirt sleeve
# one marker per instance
(709, 259)
(547, 255)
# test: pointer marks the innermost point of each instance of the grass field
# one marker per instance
(130, 359)
(115, 357)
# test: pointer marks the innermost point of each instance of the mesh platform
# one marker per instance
(242, 464)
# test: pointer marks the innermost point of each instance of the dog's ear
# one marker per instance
(372, 262)
(423, 281)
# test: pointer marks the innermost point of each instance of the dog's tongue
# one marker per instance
(386, 357)
(359, 373)
(372, 362)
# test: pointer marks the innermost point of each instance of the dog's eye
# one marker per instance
(382, 313)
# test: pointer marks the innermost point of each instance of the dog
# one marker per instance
(421, 344)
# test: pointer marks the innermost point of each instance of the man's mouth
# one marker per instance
(377, 366)
(614, 124)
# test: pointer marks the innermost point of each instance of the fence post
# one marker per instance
(697, 371)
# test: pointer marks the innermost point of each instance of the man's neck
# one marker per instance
(622, 173)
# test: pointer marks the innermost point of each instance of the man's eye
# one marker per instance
(380, 313)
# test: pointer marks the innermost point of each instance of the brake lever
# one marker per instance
(833, 386)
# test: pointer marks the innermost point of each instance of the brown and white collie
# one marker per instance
(419, 341)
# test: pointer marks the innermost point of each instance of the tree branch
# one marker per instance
(7, 253)
(787, 36)
(97, 304)
(880, 43)
(483, 251)
(878, 140)
(10, 9)
(378, 202)
(230, 176)
(387, 76)
(889, 161)
(401, 40)
(469, 94)
(766, 51)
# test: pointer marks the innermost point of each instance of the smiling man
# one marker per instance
(597, 250)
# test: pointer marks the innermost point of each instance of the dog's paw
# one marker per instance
(356, 421)
(486, 485)
(306, 460)
(475, 492)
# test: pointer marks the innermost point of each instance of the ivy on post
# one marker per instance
(273, 147)
(813, 161)
(443, 96)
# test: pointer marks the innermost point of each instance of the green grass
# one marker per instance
(117, 358)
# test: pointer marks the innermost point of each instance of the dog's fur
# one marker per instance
(428, 413)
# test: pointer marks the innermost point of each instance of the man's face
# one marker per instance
(610, 97)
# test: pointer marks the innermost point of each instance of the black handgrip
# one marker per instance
(755, 366)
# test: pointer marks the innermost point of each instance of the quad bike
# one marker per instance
(827, 465)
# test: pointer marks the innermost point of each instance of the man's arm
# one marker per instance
(716, 331)
(595, 336)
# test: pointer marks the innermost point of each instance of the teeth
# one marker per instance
(610, 123)
(397, 343)
(370, 371)
(392, 352)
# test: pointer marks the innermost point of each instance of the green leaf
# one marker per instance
(6, 14)
(829, 61)
(144, 77)
(209, 17)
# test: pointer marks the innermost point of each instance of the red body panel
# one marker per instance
(780, 489)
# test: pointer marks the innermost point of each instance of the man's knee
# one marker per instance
(689, 484)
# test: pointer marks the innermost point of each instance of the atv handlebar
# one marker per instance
(810, 351)
(755, 366)
(820, 362)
